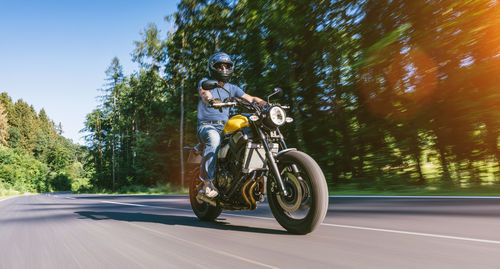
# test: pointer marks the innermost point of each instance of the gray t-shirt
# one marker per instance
(206, 113)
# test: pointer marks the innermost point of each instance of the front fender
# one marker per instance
(284, 151)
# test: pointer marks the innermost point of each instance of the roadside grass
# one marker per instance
(401, 183)
(482, 190)
(8, 192)
(138, 189)
(485, 182)
(345, 189)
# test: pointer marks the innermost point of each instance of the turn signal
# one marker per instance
(254, 118)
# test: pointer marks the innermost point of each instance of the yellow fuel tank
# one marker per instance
(235, 123)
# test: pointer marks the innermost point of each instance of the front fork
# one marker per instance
(272, 163)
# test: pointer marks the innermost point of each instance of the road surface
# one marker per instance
(158, 231)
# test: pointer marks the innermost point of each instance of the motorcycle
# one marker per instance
(253, 161)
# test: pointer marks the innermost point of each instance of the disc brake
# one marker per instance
(291, 202)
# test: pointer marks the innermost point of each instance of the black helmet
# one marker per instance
(220, 75)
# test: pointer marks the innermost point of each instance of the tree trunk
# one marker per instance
(181, 127)
(421, 179)
(444, 164)
(113, 134)
(416, 154)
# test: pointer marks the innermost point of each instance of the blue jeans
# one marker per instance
(211, 136)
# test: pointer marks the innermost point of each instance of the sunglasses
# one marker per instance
(223, 66)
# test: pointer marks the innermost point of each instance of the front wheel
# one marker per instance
(304, 209)
(202, 210)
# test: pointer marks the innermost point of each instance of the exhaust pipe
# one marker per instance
(201, 197)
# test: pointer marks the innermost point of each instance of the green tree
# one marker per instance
(4, 126)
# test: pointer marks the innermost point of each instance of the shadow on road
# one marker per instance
(174, 220)
(125, 196)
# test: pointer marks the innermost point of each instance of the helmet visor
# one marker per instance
(221, 66)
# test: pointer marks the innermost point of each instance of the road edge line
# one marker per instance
(415, 196)
(10, 197)
(6, 198)
(414, 233)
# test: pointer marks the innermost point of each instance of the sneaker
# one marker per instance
(209, 189)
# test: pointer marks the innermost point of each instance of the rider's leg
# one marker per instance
(210, 136)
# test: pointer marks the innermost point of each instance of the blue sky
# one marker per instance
(53, 54)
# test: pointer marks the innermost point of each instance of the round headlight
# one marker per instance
(277, 116)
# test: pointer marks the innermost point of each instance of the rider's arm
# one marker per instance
(205, 95)
(251, 99)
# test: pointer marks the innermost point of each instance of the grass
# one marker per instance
(483, 190)
(137, 189)
(346, 189)
(399, 184)
(395, 186)
(8, 192)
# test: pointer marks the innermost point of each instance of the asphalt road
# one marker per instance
(151, 231)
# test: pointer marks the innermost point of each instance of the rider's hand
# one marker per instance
(262, 103)
(214, 101)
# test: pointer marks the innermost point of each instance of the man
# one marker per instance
(211, 121)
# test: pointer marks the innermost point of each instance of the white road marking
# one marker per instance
(416, 197)
(6, 198)
(10, 197)
(183, 240)
(334, 225)
(204, 247)
(414, 233)
(18, 195)
(71, 198)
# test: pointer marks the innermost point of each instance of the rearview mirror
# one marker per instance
(276, 91)
(210, 84)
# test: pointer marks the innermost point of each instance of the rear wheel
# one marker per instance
(305, 207)
(202, 210)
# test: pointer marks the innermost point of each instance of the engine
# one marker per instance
(241, 165)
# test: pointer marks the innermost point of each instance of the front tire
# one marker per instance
(202, 210)
(305, 208)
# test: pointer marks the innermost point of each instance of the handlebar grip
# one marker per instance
(217, 105)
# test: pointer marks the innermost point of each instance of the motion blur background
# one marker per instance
(385, 94)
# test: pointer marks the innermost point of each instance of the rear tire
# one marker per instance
(203, 210)
(306, 206)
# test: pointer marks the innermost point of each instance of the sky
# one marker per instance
(53, 54)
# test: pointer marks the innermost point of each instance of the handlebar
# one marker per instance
(233, 103)
(226, 104)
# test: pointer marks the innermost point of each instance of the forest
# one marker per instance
(384, 94)
(34, 156)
